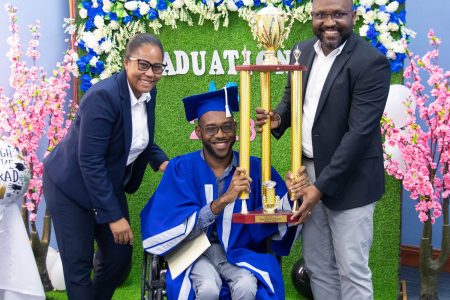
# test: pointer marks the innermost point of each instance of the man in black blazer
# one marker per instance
(345, 91)
(104, 155)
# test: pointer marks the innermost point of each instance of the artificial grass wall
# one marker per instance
(173, 132)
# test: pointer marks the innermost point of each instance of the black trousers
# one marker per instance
(76, 230)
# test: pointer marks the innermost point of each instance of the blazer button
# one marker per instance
(95, 211)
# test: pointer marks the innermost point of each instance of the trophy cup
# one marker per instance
(271, 33)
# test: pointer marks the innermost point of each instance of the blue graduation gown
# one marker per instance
(170, 215)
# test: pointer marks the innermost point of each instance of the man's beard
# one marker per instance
(210, 149)
(343, 36)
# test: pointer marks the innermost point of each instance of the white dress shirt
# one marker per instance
(319, 71)
(139, 140)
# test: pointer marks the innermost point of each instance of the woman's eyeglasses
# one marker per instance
(144, 66)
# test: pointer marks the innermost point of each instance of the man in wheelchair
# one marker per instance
(194, 203)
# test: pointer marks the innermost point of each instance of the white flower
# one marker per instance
(93, 61)
(363, 30)
(366, 3)
(99, 21)
(398, 46)
(380, 2)
(393, 6)
(385, 38)
(360, 11)
(382, 28)
(91, 41)
(369, 17)
(113, 25)
(178, 4)
(248, 3)
(95, 80)
(83, 13)
(390, 54)
(107, 5)
(393, 26)
(94, 3)
(383, 17)
(153, 3)
(105, 74)
(143, 8)
(231, 5)
(131, 5)
(106, 46)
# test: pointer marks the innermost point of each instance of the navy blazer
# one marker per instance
(89, 164)
(346, 135)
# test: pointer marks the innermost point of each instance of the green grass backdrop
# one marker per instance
(173, 131)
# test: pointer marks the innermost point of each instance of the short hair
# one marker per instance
(141, 39)
(351, 1)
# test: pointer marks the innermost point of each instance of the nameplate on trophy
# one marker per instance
(260, 217)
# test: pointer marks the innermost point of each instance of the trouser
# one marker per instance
(336, 246)
(211, 267)
(76, 230)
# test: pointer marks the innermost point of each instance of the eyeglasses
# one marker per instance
(213, 130)
(144, 66)
(336, 16)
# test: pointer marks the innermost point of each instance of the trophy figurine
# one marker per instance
(270, 30)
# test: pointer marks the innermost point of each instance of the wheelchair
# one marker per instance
(154, 269)
(153, 281)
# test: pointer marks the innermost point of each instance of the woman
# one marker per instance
(104, 155)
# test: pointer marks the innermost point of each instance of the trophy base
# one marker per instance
(260, 217)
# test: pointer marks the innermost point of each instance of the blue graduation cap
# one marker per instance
(225, 99)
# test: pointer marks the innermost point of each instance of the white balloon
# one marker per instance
(14, 174)
(52, 256)
(56, 274)
(396, 155)
(395, 109)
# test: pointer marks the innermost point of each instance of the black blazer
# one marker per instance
(346, 135)
(89, 164)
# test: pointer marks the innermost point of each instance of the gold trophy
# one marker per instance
(271, 33)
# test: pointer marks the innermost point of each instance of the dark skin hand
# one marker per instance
(262, 116)
(240, 182)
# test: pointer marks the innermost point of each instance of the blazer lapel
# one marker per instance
(126, 111)
(336, 68)
(306, 59)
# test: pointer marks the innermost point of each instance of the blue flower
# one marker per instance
(81, 45)
(239, 3)
(396, 66)
(137, 13)
(90, 24)
(82, 63)
(85, 82)
(86, 4)
(381, 48)
(372, 33)
(152, 14)
(288, 3)
(127, 19)
(162, 5)
(113, 16)
(217, 2)
(98, 68)
(299, 1)
(257, 3)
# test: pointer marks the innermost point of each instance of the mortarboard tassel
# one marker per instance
(227, 109)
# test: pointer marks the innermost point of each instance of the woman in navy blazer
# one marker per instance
(104, 155)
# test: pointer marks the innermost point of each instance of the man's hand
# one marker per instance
(163, 166)
(122, 232)
(295, 186)
(262, 116)
(240, 182)
(311, 195)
